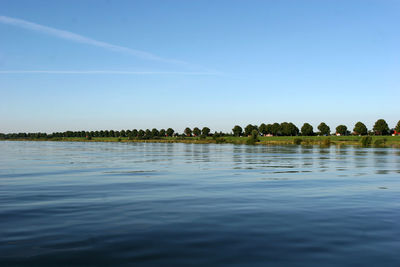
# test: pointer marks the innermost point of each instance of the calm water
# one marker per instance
(70, 204)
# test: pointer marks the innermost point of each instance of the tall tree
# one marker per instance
(381, 127)
(170, 132)
(289, 129)
(276, 129)
(148, 134)
(293, 130)
(285, 131)
(196, 131)
(154, 132)
(205, 131)
(188, 131)
(324, 129)
(307, 129)
(237, 130)
(360, 128)
(249, 128)
(263, 128)
(140, 134)
(341, 129)
(162, 133)
(268, 128)
(397, 128)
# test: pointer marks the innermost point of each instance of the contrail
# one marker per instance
(104, 72)
(85, 40)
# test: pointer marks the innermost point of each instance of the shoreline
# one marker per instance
(385, 141)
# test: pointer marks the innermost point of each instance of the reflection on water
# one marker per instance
(180, 204)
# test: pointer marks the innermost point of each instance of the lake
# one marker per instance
(111, 204)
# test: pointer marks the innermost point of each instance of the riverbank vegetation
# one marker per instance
(267, 134)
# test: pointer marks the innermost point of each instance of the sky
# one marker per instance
(97, 65)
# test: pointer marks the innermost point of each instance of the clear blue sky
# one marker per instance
(91, 65)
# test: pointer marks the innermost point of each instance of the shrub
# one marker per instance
(254, 135)
(89, 138)
(366, 141)
(119, 139)
(253, 138)
(297, 141)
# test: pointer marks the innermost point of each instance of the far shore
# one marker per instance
(377, 141)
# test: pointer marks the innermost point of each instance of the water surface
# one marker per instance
(110, 204)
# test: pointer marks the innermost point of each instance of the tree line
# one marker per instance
(131, 134)
(275, 129)
(289, 129)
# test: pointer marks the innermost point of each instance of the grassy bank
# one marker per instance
(382, 141)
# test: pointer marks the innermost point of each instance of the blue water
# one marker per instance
(120, 204)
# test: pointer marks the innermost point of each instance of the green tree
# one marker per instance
(397, 128)
(148, 134)
(154, 132)
(276, 129)
(381, 127)
(268, 128)
(285, 131)
(162, 133)
(196, 131)
(205, 131)
(134, 133)
(324, 129)
(289, 129)
(293, 130)
(140, 134)
(188, 131)
(237, 130)
(341, 129)
(249, 128)
(360, 128)
(307, 129)
(170, 132)
(263, 128)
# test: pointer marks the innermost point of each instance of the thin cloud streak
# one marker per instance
(85, 40)
(105, 72)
